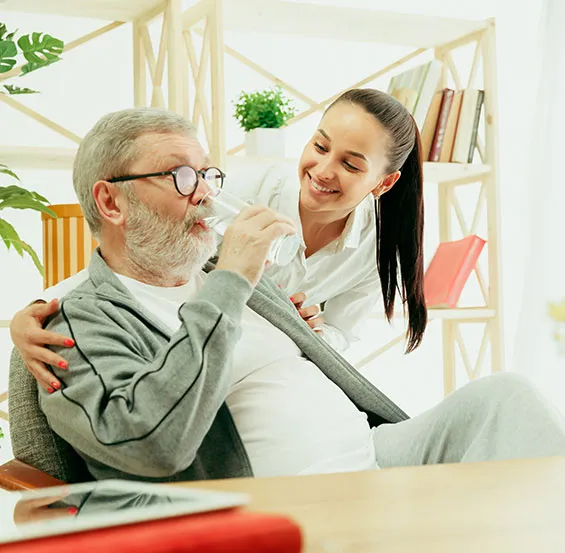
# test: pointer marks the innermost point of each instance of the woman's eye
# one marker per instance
(319, 147)
(351, 167)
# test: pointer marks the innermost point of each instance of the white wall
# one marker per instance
(96, 78)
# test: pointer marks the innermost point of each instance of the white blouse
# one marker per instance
(342, 277)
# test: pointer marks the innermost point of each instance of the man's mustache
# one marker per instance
(201, 212)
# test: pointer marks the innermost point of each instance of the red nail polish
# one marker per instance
(69, 343)
(55, 385)
(50, 390)
(63, 365)
(72, 510)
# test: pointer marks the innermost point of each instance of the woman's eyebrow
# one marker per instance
(350, 152)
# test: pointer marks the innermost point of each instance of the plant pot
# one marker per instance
(266, 143)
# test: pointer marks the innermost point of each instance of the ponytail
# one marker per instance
(400, 229)
(400, 211)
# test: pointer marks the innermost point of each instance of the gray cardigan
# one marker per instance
(139, 403)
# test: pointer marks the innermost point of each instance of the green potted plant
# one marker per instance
(263, 116)
(37, 50)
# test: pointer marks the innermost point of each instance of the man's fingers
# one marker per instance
(47, 380)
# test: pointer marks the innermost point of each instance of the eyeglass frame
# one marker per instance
(199, 173)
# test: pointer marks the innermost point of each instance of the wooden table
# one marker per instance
(497, 507)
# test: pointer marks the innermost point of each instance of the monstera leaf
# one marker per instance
(16, 197)
(39, 49)
(8, 53)
(11, 89)
(4, 34)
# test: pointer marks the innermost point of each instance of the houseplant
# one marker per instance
(263, 116)
(37, 50)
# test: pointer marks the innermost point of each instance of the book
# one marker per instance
(415, 88)
(426, 92)
(451, 129)
(450, 269)
(468, 119)
(475, 131)
(406, 96)
(437, 142)
(217, 532)
(429, 128)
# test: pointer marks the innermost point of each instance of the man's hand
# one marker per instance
(248, 239)
(26, 330)
(310, 314)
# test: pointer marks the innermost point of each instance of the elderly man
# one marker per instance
(181, 373)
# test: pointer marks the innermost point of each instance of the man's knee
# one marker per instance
(499, 388)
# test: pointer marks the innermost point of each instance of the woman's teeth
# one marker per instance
(316, 186)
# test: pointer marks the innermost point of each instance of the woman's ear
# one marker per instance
(385, 184)
(109, 203)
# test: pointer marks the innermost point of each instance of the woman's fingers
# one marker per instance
(309, 312)
(298, 299)
(47, 380)
(43, 310)
(45, 337)
(315, 322)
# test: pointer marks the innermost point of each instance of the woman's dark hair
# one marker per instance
(400, 211)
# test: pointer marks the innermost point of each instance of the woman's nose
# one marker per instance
(325, 171)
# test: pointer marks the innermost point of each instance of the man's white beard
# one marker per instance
(162, 247)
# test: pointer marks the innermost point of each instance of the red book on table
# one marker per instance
(234, 531)
(449, 270)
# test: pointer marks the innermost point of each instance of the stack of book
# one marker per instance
(451, 126)
(448, 120)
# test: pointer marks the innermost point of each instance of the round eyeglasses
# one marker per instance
(185, 178)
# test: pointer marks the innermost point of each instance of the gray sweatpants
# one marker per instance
(497, 417)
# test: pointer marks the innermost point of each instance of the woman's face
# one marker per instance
(344, 161)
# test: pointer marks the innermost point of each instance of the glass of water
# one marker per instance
(226, 207)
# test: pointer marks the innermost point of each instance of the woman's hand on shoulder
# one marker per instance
(29, 337)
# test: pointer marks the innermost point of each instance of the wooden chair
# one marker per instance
(42, 458)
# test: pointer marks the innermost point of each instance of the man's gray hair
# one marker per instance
(109, 150)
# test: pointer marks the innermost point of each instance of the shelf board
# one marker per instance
(460, 173)
(462, 314)
(458, 314)
(342, 23)
(277, 16)
(26, 157)
(112, 10)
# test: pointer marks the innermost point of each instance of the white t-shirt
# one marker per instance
(291, 418)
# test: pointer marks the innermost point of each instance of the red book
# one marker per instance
(449, 270)
(234, 531)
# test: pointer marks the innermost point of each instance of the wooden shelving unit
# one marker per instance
(442, 36)
(209, 19)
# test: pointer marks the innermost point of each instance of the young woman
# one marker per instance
(358, 204)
